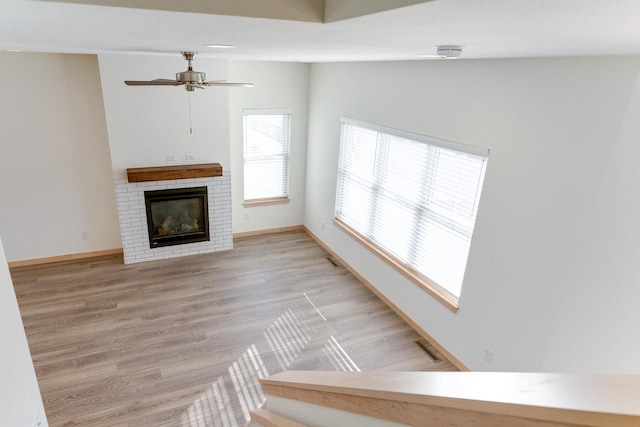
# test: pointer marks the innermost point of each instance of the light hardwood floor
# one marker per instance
(183, 342)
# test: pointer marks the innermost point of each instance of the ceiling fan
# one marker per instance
(191, 79)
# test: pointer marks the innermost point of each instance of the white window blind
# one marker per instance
(413, 196)
(266, 154)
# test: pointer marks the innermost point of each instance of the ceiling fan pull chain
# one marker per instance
(190, 127)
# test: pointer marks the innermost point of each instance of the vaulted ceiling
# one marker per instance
(324, 30)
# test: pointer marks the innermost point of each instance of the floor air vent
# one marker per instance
(423, 345)
(332, 261)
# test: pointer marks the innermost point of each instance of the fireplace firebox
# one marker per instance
(177, 216)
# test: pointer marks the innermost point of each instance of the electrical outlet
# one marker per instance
(38, 420)
(84, 235)
(190, 156)
(246, 217)
(488, 355)
(324, 225)
(171, 157)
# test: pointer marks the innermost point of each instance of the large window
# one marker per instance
(412, 199)
(266, 156)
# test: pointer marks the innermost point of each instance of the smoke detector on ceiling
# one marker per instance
(445, 51)
(449, 51)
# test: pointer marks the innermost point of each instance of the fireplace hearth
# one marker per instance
(177, 216)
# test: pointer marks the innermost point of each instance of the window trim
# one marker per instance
(430, 140)
(266, 201)
(439, 293)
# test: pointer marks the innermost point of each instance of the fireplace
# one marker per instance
(137, 238)
(177, 216)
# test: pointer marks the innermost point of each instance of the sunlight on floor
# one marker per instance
(287, 337)
(246, 374)
(212, 408)
(338, 357)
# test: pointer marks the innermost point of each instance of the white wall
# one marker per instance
(54, 157)
(599, 318)
(146, 123)
(20, 398)
(548, 206)
(278, 85)
(311, 415)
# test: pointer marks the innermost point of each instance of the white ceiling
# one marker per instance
(488, 29)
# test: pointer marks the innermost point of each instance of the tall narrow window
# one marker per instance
(413, 199)
(266, 156)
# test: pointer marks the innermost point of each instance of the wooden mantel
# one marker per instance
(160, 173)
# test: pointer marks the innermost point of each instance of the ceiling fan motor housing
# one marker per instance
(191, 76)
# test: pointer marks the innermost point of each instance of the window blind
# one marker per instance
(266, 154)
(413, 196)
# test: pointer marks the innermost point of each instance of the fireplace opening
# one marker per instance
(177, 216)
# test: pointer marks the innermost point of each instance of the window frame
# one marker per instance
(286, 155)
(442, 295)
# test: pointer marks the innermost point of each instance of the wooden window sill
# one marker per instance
(437, 292)
(266, 202)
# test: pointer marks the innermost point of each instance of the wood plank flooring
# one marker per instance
(182, 342)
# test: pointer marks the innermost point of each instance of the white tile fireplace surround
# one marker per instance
(133, 218)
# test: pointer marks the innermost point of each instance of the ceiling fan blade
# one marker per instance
(156, 82)
(229, 84)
